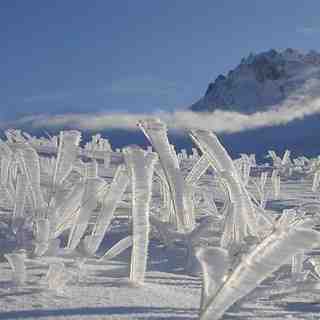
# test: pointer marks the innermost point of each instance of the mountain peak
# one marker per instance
(261, 81)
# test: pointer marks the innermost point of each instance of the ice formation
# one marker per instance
(60, 201)
(16, 261)
(110, 201)
(141, 166)
(156, 132)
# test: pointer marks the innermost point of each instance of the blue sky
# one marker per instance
(135, 56)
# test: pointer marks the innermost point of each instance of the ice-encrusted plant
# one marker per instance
(223, 286)
(110, 202)
(156, 132)
(208, 207)
(276, 183)
(89, 201)
(261, 189)
(241, 218)
(140, 166)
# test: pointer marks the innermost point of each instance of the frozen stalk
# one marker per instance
(119, 247)
(94, 187)
(167, 210)
(29, 164)
(156, 132)
(109, 204)
(275, 180)
(292, 234)
(242, 216)
(18, 269)
(297, 267)
(6, 161)
(65, 213)
(316, 181)
(42, 236)
(20, 197)
(198, 170)
(245, 168)
(67, 153)
(276, 161)
(141, 166)
(261, 189)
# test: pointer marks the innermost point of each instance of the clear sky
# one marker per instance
(135, 56)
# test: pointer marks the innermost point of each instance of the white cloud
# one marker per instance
(218, 121)
(304, 103)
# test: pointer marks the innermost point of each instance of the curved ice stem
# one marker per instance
(110, 202)
(141, 166)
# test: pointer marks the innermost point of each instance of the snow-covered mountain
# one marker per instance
(265, 81)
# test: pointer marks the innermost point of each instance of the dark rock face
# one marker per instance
(265, 69)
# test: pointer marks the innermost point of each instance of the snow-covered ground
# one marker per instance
(104, 292)
(88, 233)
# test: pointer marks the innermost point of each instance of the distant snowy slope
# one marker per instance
(263, 82)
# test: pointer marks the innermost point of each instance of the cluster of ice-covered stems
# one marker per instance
(223, 286)
(260, 186)
(245, 164)
(76, 208)
(93, 186)
(23, 182)
(156, 132)
(178, 193)
(242, 219)
(63, 206)
(110, 201)
(140, 166)
(284, 164)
